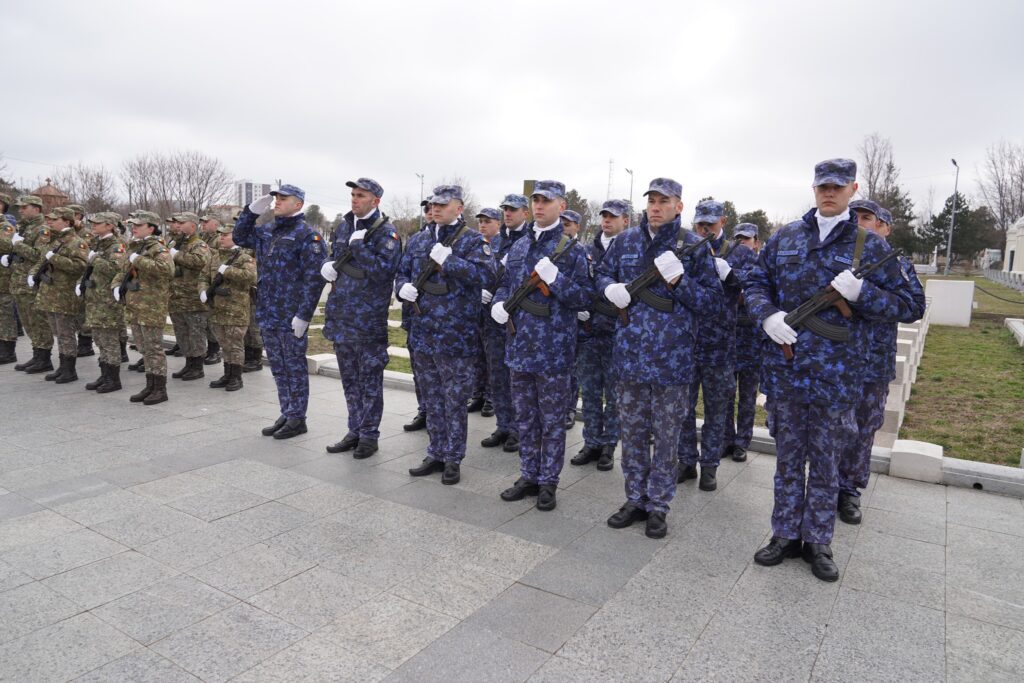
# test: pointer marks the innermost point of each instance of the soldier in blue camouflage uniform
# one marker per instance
(880, 370)
(748, 360)
(356, 315)
(419, 421)
(716, 355)
(444, 333)
(594, 353)
(814, 395)
(571, 227)
(540, 354)
(289, 255)
(653, 356)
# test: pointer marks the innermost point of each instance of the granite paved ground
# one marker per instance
(174, 543)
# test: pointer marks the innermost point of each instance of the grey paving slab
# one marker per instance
(502, 554)
(315, 658)
(195, 547)
(917, 527)
(897, 580)
(324, 499)
(141, 665)
(60, 554)
(314, 598)
(104, 507)
(100, 582)
(534, 617)
(975, 509)
(30, 607)
(14, 505)
(148, 526)
(452, 588)
(978, 651)
(251, 570)
(973, 589)
(263, 480)
(34, 527)
(546, 528)
(263, 521)
(217, 502)
(10, 577)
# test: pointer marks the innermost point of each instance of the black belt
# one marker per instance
(605, 308)
(744, 319)
(535, 308)
(656, 302)
(436, 288)
(353, 271)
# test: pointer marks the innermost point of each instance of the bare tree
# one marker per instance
(876, 157)
(1002, 182)
(94, 187)
(203, 180)
(178, 181)
(404, 212)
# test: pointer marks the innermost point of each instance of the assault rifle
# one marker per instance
(518, 299)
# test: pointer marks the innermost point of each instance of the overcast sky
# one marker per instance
(733, 99)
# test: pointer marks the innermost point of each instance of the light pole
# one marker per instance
(420, 176)
(630, 172)
(952, 219)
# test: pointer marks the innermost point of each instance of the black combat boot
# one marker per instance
(21, 367)
(222, 382)
(253, 359)
(124, 352)
(686, 472)
(496, 438)
(849, 508)
(418, 422)
(113, 382)
(68, 374)
(52, 376)
(193, 370)
(146, 390)
(7, 352)
(235, 379)
(519, 490)
(93, 386)
(184, 368)
(708, 478)
(451, 474)
(212, 353)
(139, 366)
(777, 550)
(819, 556)
(84, 346)
(43, 362)
(607, 459)
(365, 449)
(159, 392)
(488, 409)
(546, 498)
(173, 351)
(511, 444)
(475, 404)
(587, 454)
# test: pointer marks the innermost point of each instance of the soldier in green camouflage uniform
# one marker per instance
(208, 226)
(55, 277)
(148, 275)
(31, 241)
(188, 313)
(8, 323)
(229, 305)
(84, 336)
(103, 314)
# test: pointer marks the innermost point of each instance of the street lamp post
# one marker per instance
(630, 172)
(952, 218)
(420, 176)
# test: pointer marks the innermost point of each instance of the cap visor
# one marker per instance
(832, 180)
(544, 193)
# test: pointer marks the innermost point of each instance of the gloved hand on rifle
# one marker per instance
(546, 270)
(617, 294)
(723, 268)
(408, 292)
(583, 316)
(849, 285)
(31, 281)
(670, 267)
(498, 313)
(202, 296)
(328, 272)
(49, 255)
(486, 296)
(357, 235)
(776, 327)
(133, 257)
(15, 238)
(299, 326)
(78, 289)
(439, 253)
(5, 260)
(91, 256)
(117, 293)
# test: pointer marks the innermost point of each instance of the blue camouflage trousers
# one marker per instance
(719, 386)
(594, 370)
(480, 388)
(572, 397)
(646, 409)
(361, 366)
(287, 356)
(498, 382)
(446, 383)
(414, 362)
(855, 462)
(805, 506)
(539, 403)
(739, 423)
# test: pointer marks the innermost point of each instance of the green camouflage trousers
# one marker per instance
(149, 340)
(35, 324)
(63, 327)
(190, 332)
(231, 339)
(252, 335)
(8, 327)
(108, 340)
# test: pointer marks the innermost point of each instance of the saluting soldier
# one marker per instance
(224, 288)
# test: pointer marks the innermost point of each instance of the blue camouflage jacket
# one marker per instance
(546, 345)
(657, 347)
(749, 336)
(357, 306)
(716, 332)
(288, 258)
(599, 325)
(499, 244)
(792, 267)
(447, 323)
(881, 365)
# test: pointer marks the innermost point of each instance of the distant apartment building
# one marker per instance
(246, 191)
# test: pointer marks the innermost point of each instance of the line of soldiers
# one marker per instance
(62, 276)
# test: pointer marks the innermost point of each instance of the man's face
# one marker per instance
(446, 213)
(363, 202)
(832, 200)
(187, 228)
(662, 209)
(546, 211)
(173, 228)
(884, 230)
(29, 211)
(488, 226)
(570, 228)
(286, 205)
(101, 229)
(226, 240)
(714, 229)
(867, 220)
(513, 217)
(210, 225)
(612, 225)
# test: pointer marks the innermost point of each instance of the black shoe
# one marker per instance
(777, 550)
(727, 453)
(496, 438)
(253, 359)
(124, 352)
(84, 346)
(418, 423)
(50, 377)
(607, 459)
(519, 490)
(272, 429)
(488, 409)
(43, 363)
(173, 351)
(212, 354)
(451, 474)
(193, 369)
(849, 508)
(291, 428)
(146, 391)
(474, 405)
(819, 556)
(234, 378)
(21, 367)
(587, 454)
(347, 444)
(365, 449)
(570, 420)
(708, 478)
(223, 380)
(113, 382)
(626, 515)
(428, 466)
(140, 366)
(656, 525)
(68, 373)
(546, 498)
(99, 381)
(686, 472)
(184, 368)
(512, 444)
(7, 352)
(159, 392)
(739, 454)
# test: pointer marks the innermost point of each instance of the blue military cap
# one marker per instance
(709, 211)
(835, 172)
(290, 191)
(549, 189)
(884, 215)
(615, 207)
(665, 186)
(446, 193)
(493, 214)
(368, 184)
(571, 216)
(514, 201)
(745, 230)
(866, 205)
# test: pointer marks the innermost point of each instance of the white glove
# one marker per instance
(486, 296)
(328, 272)
(439, 253)
(408, 292)
(498, 313)
(583, 316)
(669, 266)
(723, 268)
(15, 238)
(131, 259)
(31, 281)
(848, 284)
(202, 296)
(49, 255)
(617, 294)
(78, 289)
(91, 256)
(5, 260)
(222, 268)
(299, 327)
(504, 260)
(174, 252)
(357, 235)
(260, 205)
(547, 270)
(775, 326)
(117, 293)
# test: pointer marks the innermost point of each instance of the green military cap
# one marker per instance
(77, 208)
(63, 213)
(144, 217)
(225, 229)
(29, 199)
(209, 217)
(5, 198)
(105, 217)
(186, 217)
